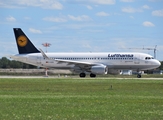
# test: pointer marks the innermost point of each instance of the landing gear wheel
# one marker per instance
(82, 75)
(139, 76)
(92, 75)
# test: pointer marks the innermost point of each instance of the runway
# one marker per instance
(76, 77)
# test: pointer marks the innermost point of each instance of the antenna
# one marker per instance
(46, 45)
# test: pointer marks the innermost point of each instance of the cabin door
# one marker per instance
(38, 61)
(137, 59)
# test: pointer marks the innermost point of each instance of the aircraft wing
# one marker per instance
(81, 64)
(71, 62)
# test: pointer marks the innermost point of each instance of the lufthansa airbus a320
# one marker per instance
(82, 63)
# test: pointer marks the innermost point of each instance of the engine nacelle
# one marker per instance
(99, 69)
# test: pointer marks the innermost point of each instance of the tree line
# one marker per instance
(161, 67)
(6, 63)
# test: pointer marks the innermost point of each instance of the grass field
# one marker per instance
(85, 99)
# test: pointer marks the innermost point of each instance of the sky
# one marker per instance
(84, 25)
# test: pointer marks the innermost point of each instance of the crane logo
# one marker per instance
(22, 41)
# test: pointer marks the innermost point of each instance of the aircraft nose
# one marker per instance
(157, 63)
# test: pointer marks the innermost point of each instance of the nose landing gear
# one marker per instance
(138, 75)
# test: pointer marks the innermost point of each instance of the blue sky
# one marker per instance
(84, 25)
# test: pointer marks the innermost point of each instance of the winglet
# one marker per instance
(43, 54)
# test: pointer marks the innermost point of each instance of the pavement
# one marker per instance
(77, 77)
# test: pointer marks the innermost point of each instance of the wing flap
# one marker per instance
(78, 63)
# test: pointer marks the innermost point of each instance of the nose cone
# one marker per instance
(157, 63)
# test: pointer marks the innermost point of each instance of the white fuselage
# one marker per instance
(132, 61)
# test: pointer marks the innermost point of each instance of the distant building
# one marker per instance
(126, 72)
(130, 72)
(157, 72)
(135, 72)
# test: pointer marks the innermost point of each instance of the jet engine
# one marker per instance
(99, 69)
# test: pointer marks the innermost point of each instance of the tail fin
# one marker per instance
(23, 43)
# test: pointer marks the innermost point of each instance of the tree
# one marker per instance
(6, 63)
(161, 67)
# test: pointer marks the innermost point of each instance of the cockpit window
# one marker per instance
(148, 58)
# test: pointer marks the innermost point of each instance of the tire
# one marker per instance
(138, 76)
(82, 75)
(92, 75)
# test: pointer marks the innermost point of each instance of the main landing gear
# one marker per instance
(92, 75)
(82, 75)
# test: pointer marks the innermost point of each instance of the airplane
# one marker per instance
(83, 63)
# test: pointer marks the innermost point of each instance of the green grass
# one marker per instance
(68, 99)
